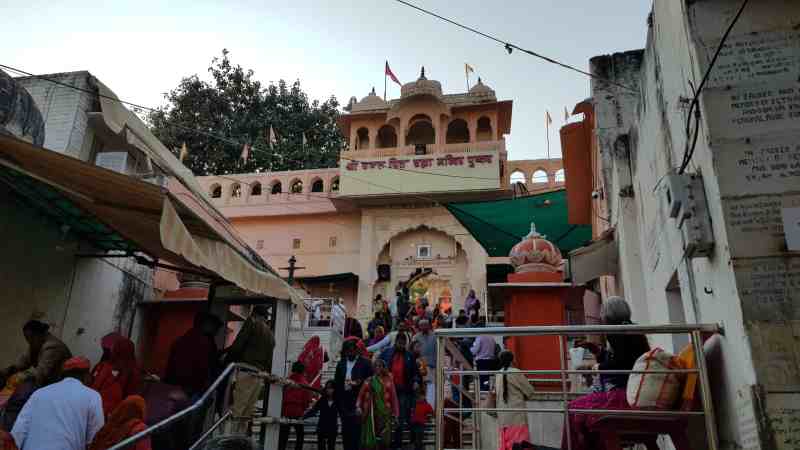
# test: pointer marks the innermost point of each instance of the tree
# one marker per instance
(216, 118)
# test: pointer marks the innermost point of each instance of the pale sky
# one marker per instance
(142, 49)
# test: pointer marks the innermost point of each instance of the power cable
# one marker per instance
(223, 220)
(215, 136)
(688, 152)
(509, 46)
(124, 102)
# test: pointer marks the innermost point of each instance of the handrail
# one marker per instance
(695, 332)
(208, 432)
(578, 330)
(268, 378)
(184, 412)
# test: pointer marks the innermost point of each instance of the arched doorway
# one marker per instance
(432, 287)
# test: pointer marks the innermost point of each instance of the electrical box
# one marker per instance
(686, 202)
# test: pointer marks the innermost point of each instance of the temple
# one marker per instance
(376, 222)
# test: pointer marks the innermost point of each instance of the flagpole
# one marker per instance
(384, 85)
(466, 72)
(548, 139)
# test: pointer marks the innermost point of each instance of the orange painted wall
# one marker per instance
(576, 146)
(166, 322)
(536, 306)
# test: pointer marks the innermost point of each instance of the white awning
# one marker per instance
(599, 258)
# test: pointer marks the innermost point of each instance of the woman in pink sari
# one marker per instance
(312, 357)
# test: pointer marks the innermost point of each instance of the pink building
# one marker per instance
(367, 226)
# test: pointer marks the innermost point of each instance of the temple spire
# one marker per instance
(422, 74)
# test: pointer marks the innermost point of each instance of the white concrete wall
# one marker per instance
(82, 299)
(64, 112)
(748, 283)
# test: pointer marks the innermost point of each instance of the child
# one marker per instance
(328, 424)
(295, 402)
(422, 411)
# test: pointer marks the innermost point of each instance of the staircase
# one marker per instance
(310, 438)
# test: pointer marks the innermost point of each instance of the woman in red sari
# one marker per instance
(119, 377)
(313, 357)
(126, 421)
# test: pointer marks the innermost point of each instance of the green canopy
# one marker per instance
(499, 225)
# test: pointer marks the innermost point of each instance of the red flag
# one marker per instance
(388, 72)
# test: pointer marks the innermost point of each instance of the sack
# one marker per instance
(655, 390)
(490, 401)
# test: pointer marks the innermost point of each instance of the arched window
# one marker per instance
(457, 132)
(335, 185)
(255, 188)
(518, 177)
(236, 190)
(420, 130)
(216, 191)
(560, 177)
(387, 138)
(277, 188)
(362, 139)
(484, 131)
(317, 186)
(296, 187)
(539, 177)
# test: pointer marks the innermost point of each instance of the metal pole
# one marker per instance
(476, 432)
(439, 393)
(705, 391)
(564, 390)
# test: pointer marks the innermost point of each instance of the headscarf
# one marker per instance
(107, 344)
(126, 420)
(123, 359)
(312, 358)
(118, 377)
(360, 347)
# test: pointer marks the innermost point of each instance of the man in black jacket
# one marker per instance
(351, 372)
(401, 364)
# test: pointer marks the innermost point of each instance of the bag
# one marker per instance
(655, 390)
(490, 402)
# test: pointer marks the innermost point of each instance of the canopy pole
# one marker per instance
(212, 293)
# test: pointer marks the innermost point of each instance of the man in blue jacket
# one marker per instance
(400, 362)
(351, 372)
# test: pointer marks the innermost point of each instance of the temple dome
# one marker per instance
(535, 254)
(370, 102)
(481, 90)
(422, 86)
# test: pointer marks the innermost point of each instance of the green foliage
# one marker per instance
(237, 107)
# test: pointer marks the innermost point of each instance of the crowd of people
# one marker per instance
(82, 407)
(382, 389)
(384, 384)
(379, 392)
(57, 400)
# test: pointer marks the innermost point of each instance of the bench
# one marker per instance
(618, 431)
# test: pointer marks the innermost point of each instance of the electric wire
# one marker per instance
(691, 141)
(223, 221)
(509, 46)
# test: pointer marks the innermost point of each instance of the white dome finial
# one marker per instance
(534, 233)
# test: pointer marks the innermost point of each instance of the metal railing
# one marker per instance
(694, 331)
(229, 375)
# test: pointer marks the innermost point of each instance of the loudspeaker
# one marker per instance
(384, 272)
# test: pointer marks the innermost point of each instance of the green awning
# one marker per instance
(499, 225)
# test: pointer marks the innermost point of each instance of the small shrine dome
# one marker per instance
(370, 102)
(481, 90)
(423, 86)
(535, 254)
